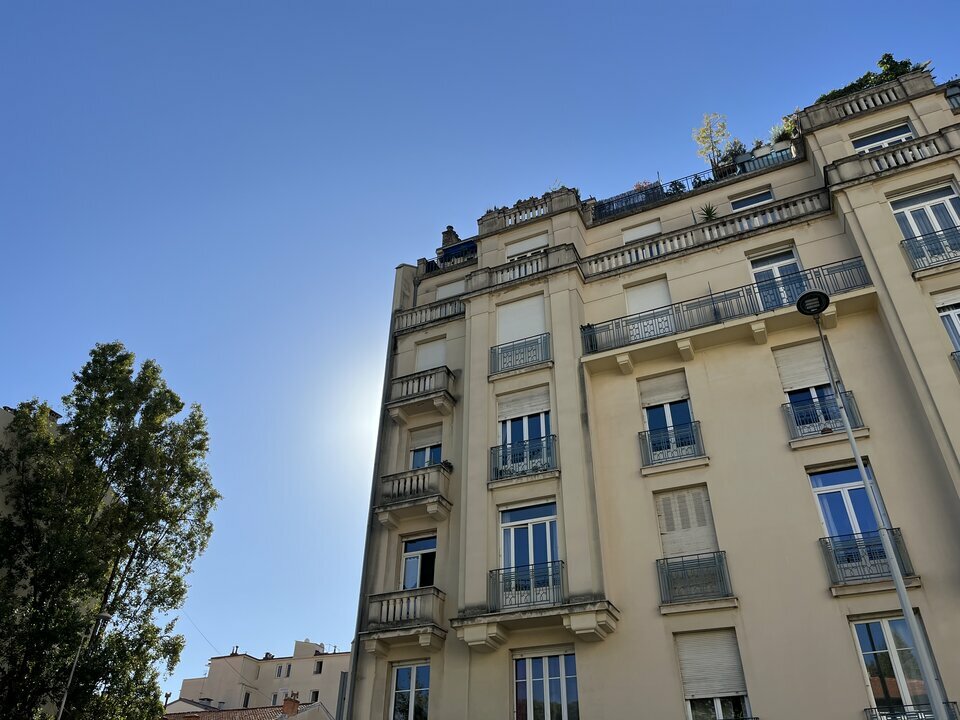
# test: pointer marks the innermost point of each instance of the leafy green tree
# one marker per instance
(103, 512)
(890, 69)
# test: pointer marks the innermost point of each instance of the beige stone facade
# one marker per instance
(610, 478)
(239, 680)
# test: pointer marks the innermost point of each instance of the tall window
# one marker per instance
(887, 652)
(314, 695)
(318, 667)
(950, 316)
(713, 682)
(425, 447)
(779, 283)
(246, 699)
(546, 688)
(273, 700)
(842, 501)
(279, 670)
(411, 692)
(668, 419)
(806, 385)
(289, 668)
(419, 561)
(929, 225)
(524, 433)
(530, 571)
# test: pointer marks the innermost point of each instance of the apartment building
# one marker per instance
(239, 680)
(611, 479)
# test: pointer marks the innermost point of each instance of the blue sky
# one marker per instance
(227, 187)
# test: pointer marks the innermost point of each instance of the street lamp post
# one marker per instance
(812, 303)
(103, 617)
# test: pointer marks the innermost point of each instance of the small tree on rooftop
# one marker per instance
(712, 138)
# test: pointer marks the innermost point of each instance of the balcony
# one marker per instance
(868, 100)
(932, 249)
(860, 558)
(530, 585)
(404, 617)
(693, 578)
(450, 258)
(656, 193)
(527, 457)
(672, 444)
(420, 392)
(520, 354)
(717, 308)
(422, 492)
(910, 712)
(820, 417)
(415, 318)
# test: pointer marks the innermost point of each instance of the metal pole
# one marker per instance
(924, 652)
(73, 668)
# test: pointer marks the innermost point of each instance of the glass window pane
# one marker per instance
(905, 228)
(401, 706)
(834, 512)
(570, 665)
(521, 547)
(527, 513)
(536, 667)
(540, 544)
(419, 544)
(533, 427)
(420, 706)
(411, 572)
(419, 458)
(516, 430)
(733, 707)
(435, 455)
(862, 509)
(403, 678)
(680, 412)
(922, 221)
(521, 669)
(553, 666)
(427, 563)
(556, 700)
(423, 677)
(546, 423)
(835, 477)
(703, 709)
(656, 417)
(870, 636)
(507, 548)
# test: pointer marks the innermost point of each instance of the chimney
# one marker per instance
(450, 236)
(291, 704)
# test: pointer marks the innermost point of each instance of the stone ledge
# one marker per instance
(378, 642)
(871, 586)
(520, 370)
(675, 466)
(837, 436)
(521, 479)
(934, 270)
(699, 606)
(435, 506)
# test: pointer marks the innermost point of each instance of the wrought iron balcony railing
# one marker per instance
(525, 586)
(418, 606)
(421, 383)
(860, 557)
(694, 577)
(520, 353)
(933, 248)
(820, 417)
(523, 458)
(754, 299)
(664, 445)
(910, 712)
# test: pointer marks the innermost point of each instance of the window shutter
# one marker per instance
(450, 289)
(425, 437)
(525, 246)
(651, 295)
(801, 366)
(641, 231)
(686, 522)
(520, 319)
(431, 354)
(523, 403)
(943, 299)
(710, 664)
(663, 389)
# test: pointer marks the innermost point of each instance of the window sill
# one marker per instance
(699, 606)
(520, 479)
(675, 465)
(871, 586)
(828, 439)
(520, 370)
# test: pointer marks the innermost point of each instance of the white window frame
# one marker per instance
(869, 146)
(552, 532)
(892, 652)
(405, 555)
(767, 262)
(844, 490)
(506, 427)
(817, 405)
(717, 709)
(527, 660)
(951, 314)
(752, 200)
(413, 687)
(428, 449)
(927, 207)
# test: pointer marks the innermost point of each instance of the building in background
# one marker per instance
(239, 680)
(291, 707)
(610, 476)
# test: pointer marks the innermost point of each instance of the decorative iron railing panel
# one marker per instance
(754, 299)
(412, 484)
(694, 577)
(860, 557)
(523, 458)
(421, 383)
(910, 712)
(526, 586)
(934, 248)
(820, 417)
(417, 606)
(664, 445)
(520, 353)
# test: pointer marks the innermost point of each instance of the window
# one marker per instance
(686, 522)
(529, 556)
(246, 699)
(521, 319)
(524, 433)
(425, 447)
(411, 692)
(431, 354)
(670, 432)
(887, 654)
(318, 667)
(279, 670)
(651, 301)
(843, 503)
(642, 231)
(779, 283)
(526, 247)
(314, 695)
(273, 701)
(929, 225)
(419, 560)
(713, 683)
(450, 289)
(289, 666)
(950, 316)
(812, 407)
(545, 687)
(751, 200)
(882, 139)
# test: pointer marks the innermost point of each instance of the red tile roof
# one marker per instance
(258, 713)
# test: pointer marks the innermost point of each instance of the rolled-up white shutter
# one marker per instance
(523, 403)
(686, 522)
(801, 366)
(425, 437)
(710, 664)
(650, 295)
(431, 354)
(951, 297)
(641, 231)
(450, 289)
(525, 246)
(663, 389)
(521, 319)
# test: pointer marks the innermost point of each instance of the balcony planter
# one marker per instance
(743, 157)
(762, 151)
(782, 145)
